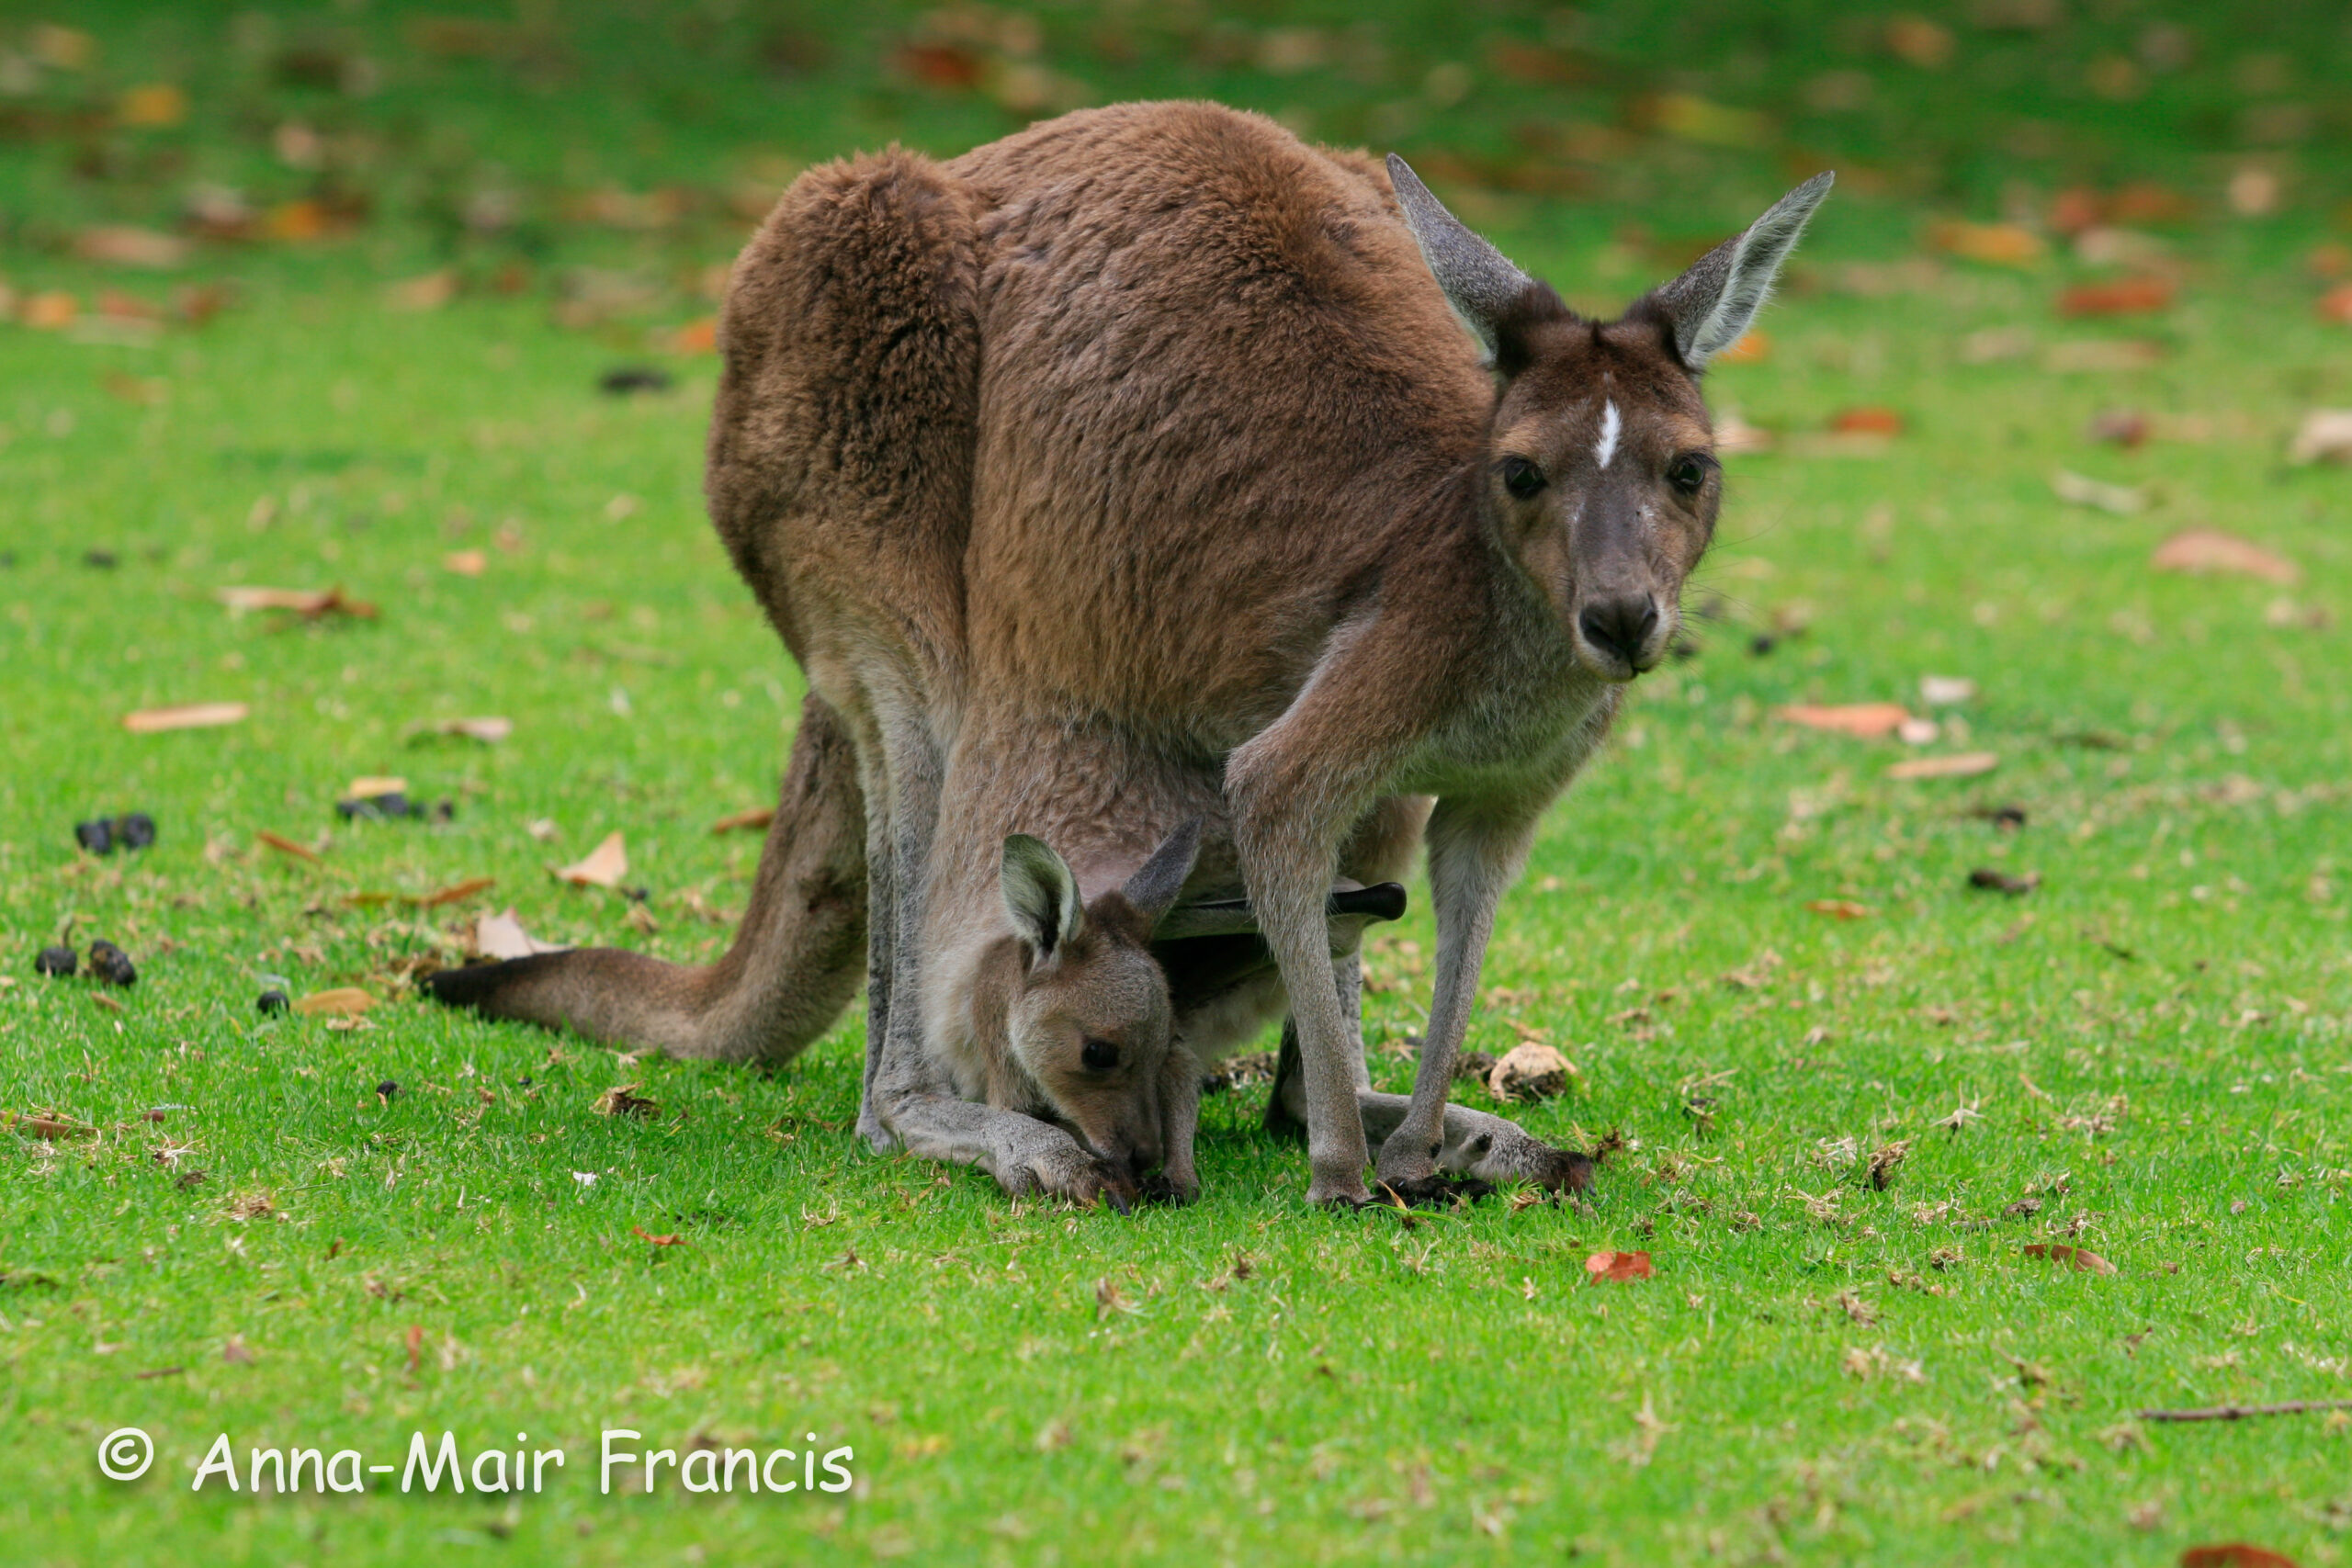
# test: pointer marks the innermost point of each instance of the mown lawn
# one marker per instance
(1763, 956)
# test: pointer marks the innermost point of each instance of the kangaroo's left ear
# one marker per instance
(1709, 307)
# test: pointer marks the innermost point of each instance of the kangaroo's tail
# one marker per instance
(795, 961)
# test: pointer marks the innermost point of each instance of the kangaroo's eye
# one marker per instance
(1688, 473)
(1100, 1056)
(1521, 478)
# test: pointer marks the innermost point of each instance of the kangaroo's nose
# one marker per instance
(1621, 626)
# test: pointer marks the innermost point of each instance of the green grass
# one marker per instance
(2153, 1042)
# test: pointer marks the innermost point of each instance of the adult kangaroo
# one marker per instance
(1245, 492)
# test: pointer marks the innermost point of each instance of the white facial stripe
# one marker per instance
(1610, 425)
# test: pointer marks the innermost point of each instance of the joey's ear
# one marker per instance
(1710, 307)
(1153, 888)
(1040, 894)
(1492, 297)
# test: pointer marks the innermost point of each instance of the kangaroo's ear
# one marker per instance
(1710, 307)
(1040, 894)
(1493, 297)
(1153, 888)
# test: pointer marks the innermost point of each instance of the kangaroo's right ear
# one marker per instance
(1710, 306)
(1493, 298)
(1041, 895)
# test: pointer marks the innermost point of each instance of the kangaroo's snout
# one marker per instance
(1621, 626)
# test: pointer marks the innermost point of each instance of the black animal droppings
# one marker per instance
(102, 560)
(387, 1090)
(57, 961)
(1763, 643)
(272, 1002)
(377, 808)
(96, 836)
(623, 380)
(111, 965)
(134, 831)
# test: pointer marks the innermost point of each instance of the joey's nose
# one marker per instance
(1620, 626)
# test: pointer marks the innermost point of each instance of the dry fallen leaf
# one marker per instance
(466, 563)
(38, 1125)
(2058, 1252)
(1998, 244)
(343, 1001)
(188, 715)
(1869, 720)
(1618, 1265)
(2102, 354)
(311, 604)
(604, 867)
(120, 245)
(455, 893)
(501, 936)
(756, 818)
(368, 786)
(2210, 550)
(287, 846)
(428, 292)
(1958, 765)
(623, 1101)
(2120, 296)
(647, 1236)
(2078, 490)
(2325, 435)
(1530, 1071)
(1869, 419)
(2235, 1554)
(1840, 908)
(1946, 691)
(490, 731)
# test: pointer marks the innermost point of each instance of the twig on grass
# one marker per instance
(2239, 1412)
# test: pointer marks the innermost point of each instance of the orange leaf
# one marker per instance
(1840, 908)
(759, 817)
(466, 563)
(415, 1340)
(1618, 1265)
(2058, 1252)
(2235, 1554)
(1869, 720)
(2210, 550)
(287, 846)
(604, 867)
(2123, 296)
(1752, 349)
(1959, 765)
(1868, 420)
(120, 245)
(457, 892)
(695, 337)
(2335, 305)
(656, 1240)
(343, 1001)
(190, 715)
(1998, 244)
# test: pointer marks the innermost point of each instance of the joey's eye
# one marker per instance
(1521, 478)
(1688, 473)
(1100, 1056)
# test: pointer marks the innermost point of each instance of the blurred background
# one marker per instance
(606, 157)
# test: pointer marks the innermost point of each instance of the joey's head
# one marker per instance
(1601, 470)
(1089, 1019)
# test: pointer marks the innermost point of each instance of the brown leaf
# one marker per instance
(414, 1339)
(756, 819)
(623, 1101)
(2103, 354)
(237, 1351)
(342, 1001)
(1869, 419)
(287, 846)
(1840, 908)
(1869, 720)
(121, 246)
(457, 892)
(2058, 1252)
(656, 1240)
(311, 604)
(2210, 550)
(466, 563)
(428, 292)
(1996, 244)
(2235, 1554)
(1958, 765)
(38, 1125)
(2120, 296)
(604, 867)
(1994, 880)
(1618, 1265)
(188, 715)
(490, 731)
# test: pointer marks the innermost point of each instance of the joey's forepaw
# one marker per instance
(1437, 1191)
